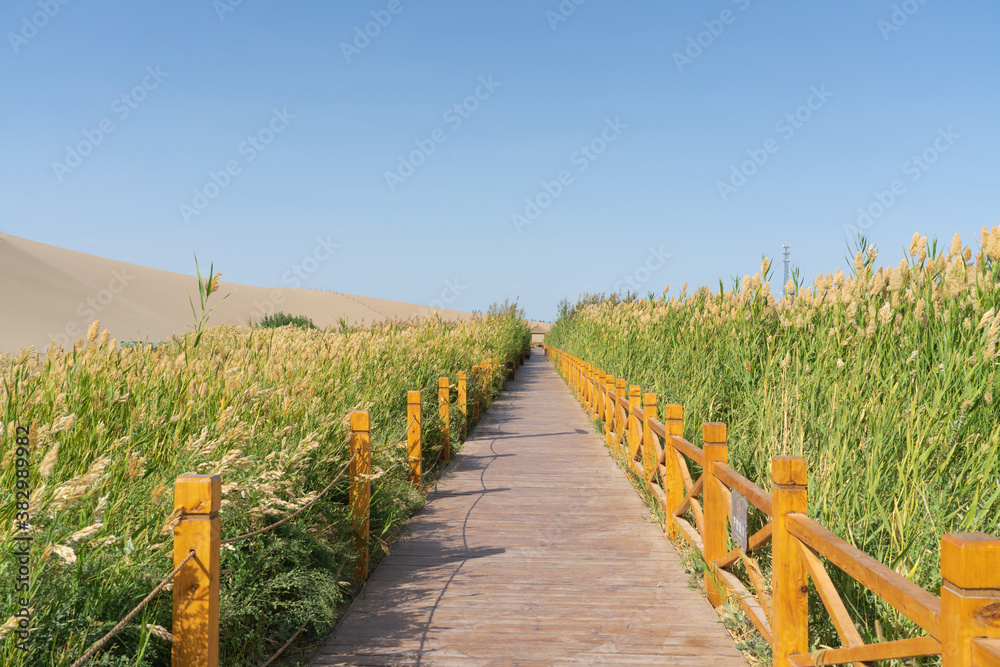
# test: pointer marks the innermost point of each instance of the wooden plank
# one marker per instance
(911, 600)
(986, 652)
(689, 450)
(750, 604)
(534, 549)
(842, 622)
(753, 493)
(903, 648)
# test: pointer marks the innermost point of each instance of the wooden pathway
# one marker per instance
(534, 549)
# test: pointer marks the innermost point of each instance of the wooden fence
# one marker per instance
(198, 532)
(962, 625)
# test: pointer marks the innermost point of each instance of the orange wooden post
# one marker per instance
(789, 580)
(487, 383)
(634, 421)
(599, 403)
(591, 373)
(414, 438)
(649, 463)
(609, 410)
(970, 594)
(444, 411)
(715, 538)
(463, 401)
(475, 399)
(621, 391)
(361, 487)
(674, 426)
(196, 585)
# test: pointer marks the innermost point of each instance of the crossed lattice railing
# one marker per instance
(962, 626)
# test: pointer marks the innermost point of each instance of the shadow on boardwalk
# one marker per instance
(534, 549)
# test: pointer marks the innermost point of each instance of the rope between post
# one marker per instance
(132, 614)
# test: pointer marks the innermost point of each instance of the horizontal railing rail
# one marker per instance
(962, 626)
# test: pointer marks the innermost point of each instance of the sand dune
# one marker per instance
(49, 293)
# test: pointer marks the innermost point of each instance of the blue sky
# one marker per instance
(641, 109)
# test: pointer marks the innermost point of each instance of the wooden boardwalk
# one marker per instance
(534, 549)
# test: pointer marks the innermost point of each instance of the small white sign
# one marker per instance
(739, 525)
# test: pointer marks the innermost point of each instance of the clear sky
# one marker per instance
(662, 141)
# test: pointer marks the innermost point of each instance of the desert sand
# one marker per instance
(49, 293)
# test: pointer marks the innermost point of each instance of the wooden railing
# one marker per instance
(198, 531)
(962, 626)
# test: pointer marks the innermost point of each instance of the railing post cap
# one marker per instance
(443, 383)
(971, 560)
(191, 492)
(413, 397)
(675, 411)
(713, 433)
(462, 375)
(620, 382)
(361, 420)
(649, 399)
(609, 378)
(789, 471)
(635, 390)
(475, 369)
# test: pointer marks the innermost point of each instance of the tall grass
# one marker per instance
(884, 379)
(112, 428)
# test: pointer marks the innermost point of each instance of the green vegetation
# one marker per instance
(884, 380)
(281, 319)
(112, 428)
